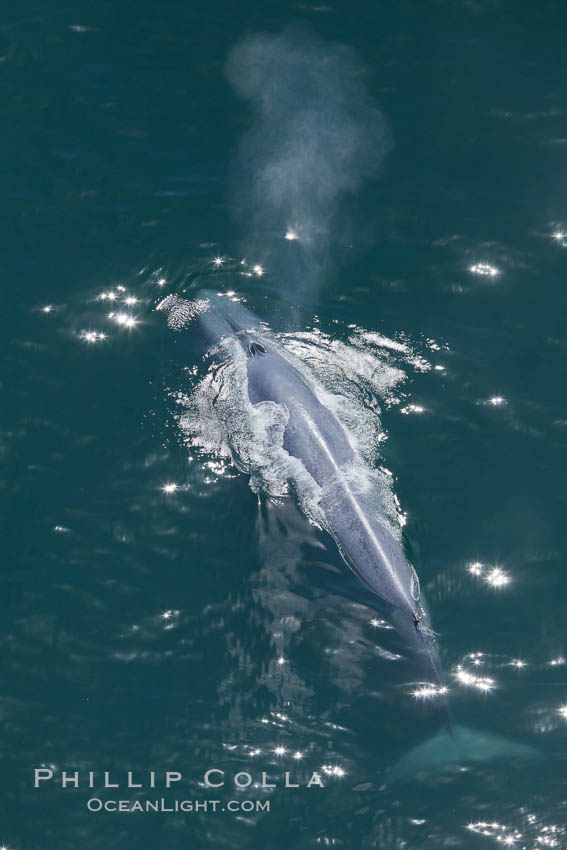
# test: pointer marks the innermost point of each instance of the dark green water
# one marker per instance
(142, 630)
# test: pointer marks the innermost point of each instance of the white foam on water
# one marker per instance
(219, 419)
(353, 379)
(180, 312)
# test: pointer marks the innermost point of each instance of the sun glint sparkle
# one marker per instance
(497, 578)
(484, 269)
(170, 487)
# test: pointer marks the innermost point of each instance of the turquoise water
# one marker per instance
(159, 612)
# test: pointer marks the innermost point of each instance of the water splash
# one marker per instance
(355, 379)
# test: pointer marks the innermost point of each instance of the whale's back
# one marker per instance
(222, 316)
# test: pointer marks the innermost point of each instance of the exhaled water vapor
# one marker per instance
(315, 136)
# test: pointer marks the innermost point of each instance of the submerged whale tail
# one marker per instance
(456, 746)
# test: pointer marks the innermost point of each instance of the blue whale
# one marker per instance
(367, 542)
(314, 436)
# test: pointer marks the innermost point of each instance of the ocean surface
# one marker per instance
(168, 601)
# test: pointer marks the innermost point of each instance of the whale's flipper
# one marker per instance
(460, 745)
